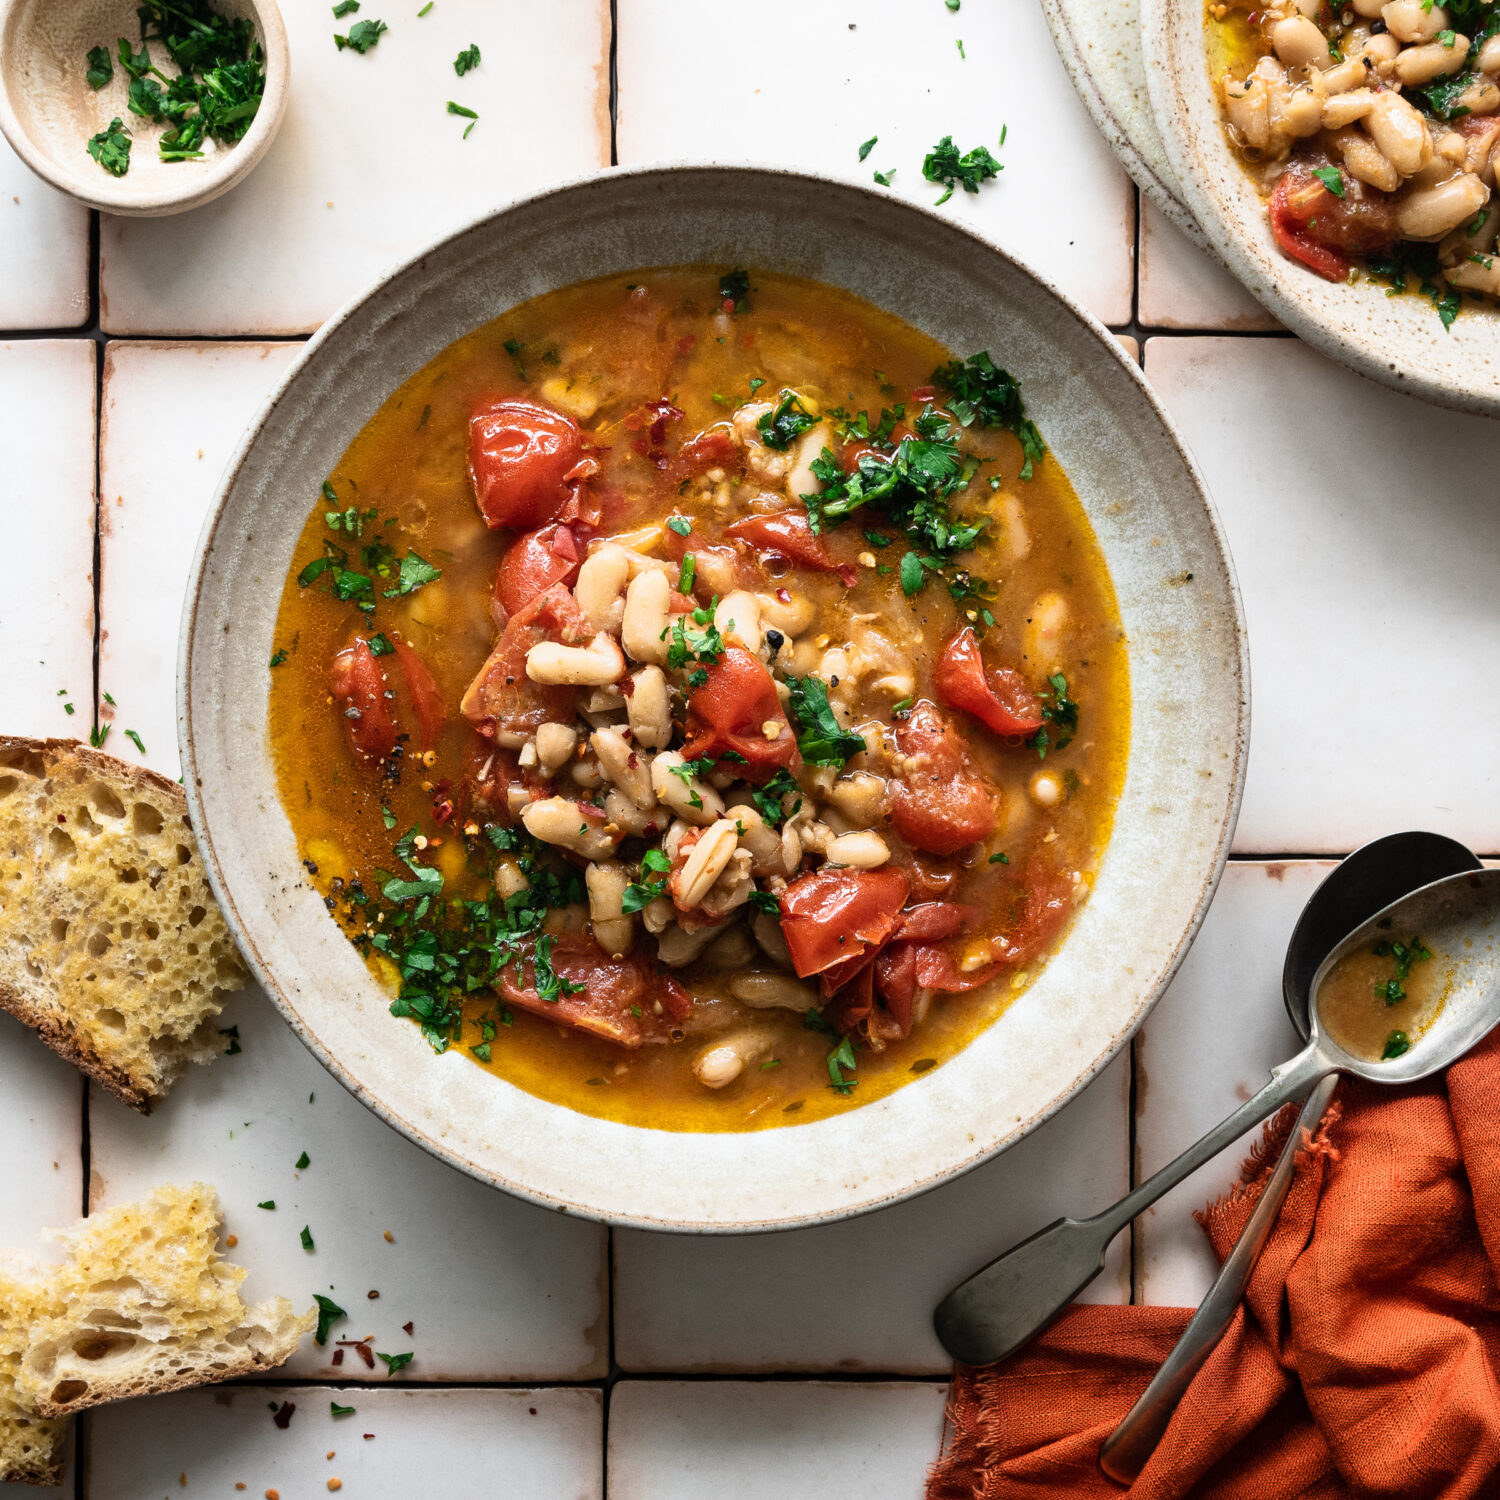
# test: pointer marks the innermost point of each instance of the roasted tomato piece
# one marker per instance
(941, 803)
(998, 697)
(1320, 229)
(627, 1001)
(936, 970)
(933, 921)
(502, 698)
(714, 448)
(854, 1001)
(534, 562)
(832, 916)
(364, 700)
(520, 454)
(1046, 898)
(421, 692)
(733, 712)
(649, 424)
(789, 534)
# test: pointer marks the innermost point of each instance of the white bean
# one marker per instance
(766, 928)
(600, 590)
(555, 744)
(718, 1066)
(593, 665)
(1400, 132)
(800, 479)
(1013, 530)
(1344, 109)
(1364, 160)
(650, 709)
(759, 840)
(762, 991)
(857, 851)
(614, 930)
(1045, 634)
(739, 614)
(1489, 55)
(1418, 65)
(1430, 213)
(644, 628)
(560, 821)
(790, 616)
(690, 798)
(860, 797)
(624, 766)
(676, 946)
(1414, 20)
(1299, 43)
(706, 861)
(629, 816)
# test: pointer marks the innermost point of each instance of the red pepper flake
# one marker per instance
(283, 1417)
(372, 1295)
(785, 595)
(687, 341)
(406, 1329)
(443, 810)
(362, 1348)
(338, 1357)
(62, 817)
(369, 1436)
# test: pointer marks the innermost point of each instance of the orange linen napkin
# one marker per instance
(1362, 1362)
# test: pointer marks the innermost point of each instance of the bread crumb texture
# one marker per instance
(113, 947)
(31, 1447)
(142, 1304)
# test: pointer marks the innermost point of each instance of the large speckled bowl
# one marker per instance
(1099, 42)
(1399, 341)
(1177, 599)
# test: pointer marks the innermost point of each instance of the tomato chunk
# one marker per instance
(363, 698)
(628, 1001)
(534, 562)
(833, 916)
(502, 697)
(999, 697)
(520, 454)
(713, 448)
(941, 803)
(789, 534)
(422, 692)
(1046, 899)
(1321, 229)
(729, 715)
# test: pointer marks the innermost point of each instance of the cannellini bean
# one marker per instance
(763, 991)
(800, 479)
(1380, 49)
(614, 930)
(1302, 114)
(509, 880)
(658, 916)
(650, 709)
(1046, 630)
(1415, 66)
(859, 851)
(629, 816)
(1400, 132)
(1481, 275)
(791, 849)
(739, 614)
(1489, 55)
(691, 798)
(676, 946)
(560, 821)
(600, 590)
(717, 569)
(1339, 79)
(1298, 42)
(791, 616)
(765, 927)
(860, 797)
(1046, 789)
(1430, 213)
(1414, 20)
(624, 766)
(1344, 109)
(732, 889)
(706, 861)
(1480, 98)
(1013, 530)
(555, 744)
(1367, 8)
(643, 631)
(593, 665)
(1364, 160)
(733, 949)
(585, 771)
(722, 1061)
(759, 840)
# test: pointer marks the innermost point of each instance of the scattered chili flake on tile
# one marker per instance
(372, 1295)
(338, 1357)
(283, 1417)
(330, 1453)
(335, 1484)
(406, 1329)
(369, 1436)
(273, 1495)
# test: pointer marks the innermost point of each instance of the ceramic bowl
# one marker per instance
(1178, 602)
(48, 111)
(1399, 341)
(1099, 42)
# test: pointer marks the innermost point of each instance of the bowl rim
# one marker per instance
(1394, 341)
(192, 780)
(202, 183)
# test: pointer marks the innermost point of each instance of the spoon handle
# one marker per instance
(1012, 1299)
(1129, 1447)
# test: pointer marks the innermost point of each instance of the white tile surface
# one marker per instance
(461, 1444)
(369, 166)
(737, 1440)
(693, 82)
(173, 414)
(495, 1289)
(1208, 1046)
(1364, 528)
(47, 502)
(1181, 287)
(778, 1302)
(44, 240)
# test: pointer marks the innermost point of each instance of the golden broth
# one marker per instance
(1378, 1000)
(589, 349)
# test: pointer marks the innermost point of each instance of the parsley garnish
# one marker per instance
(394, 1362)
(867, 147)
(335, 1410)
(768, 798)
(1397, 1044)
(135, 740)
(1413, 951)
(302, 1161)
(734, 287)
(329, 1313)
(111, 148)
(307, 1239)
(467, 59)
(979, 391)
(884, 178)
(100, 68)
(705, 645)
(269, 1203)
(945, 166)
(278, 658)
(362, 36)
(468, 114)
(415, 572)
(380, 645)
(345, 8)
(839, 1059)
(1331, 178)
(680, 524)
(785, 422)
(641, 894)
(1059, 710)
(823, 741)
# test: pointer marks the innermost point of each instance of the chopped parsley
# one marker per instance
(867, 147)
(884, 178)
(278, 658)
(468, 114)
(680, 524)
(945, 166)
(785, 422)
(345, 8)
(100, 68)
(640, 894)
(329, 1313)
(768, 798)
(467, 59)
(734, 288)
(380, 646)
(823, 741)
(1419, 261)
(362, 36)
(135, 740)
(335, 1410)
(415, 572)
(394, 1362)
(111, 148)
(979, 391)
(1397, 1044)
(1061, 712)
(1332, 179)
(269, 1203)
(302, 1161)
(703, 645)
(839, 1060)
(307, 1239)
(1412, 951)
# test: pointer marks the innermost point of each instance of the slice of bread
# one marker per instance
(145, 1304)
(31, 1447)
(111, 944)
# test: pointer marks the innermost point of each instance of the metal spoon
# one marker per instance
(996, 1311)
(1356, 890)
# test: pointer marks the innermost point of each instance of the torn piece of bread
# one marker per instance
(145, 1304)
(31, 1447)
(111, 944)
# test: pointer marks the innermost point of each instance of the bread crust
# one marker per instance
(34, 1474)
(56, 1031)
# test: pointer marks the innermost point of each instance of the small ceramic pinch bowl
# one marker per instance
(49, 110)
(1178, 605)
